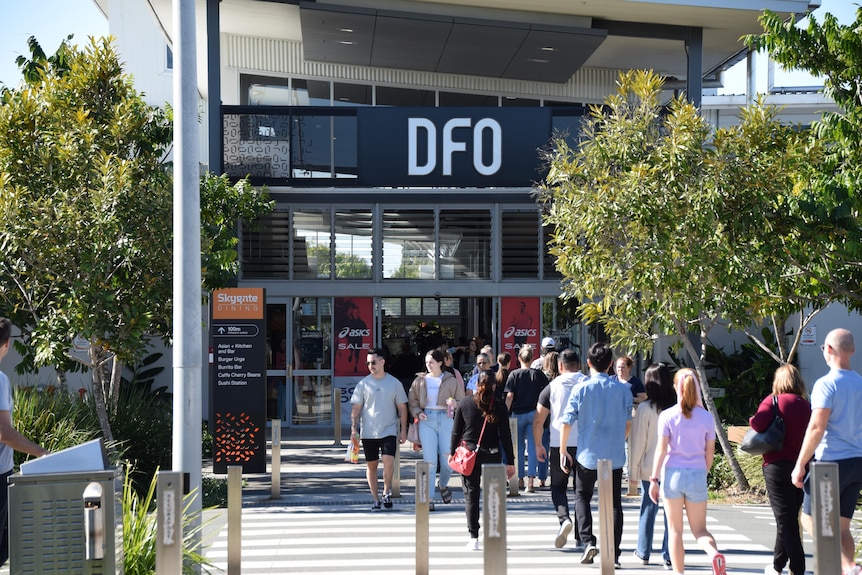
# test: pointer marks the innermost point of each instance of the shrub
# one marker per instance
(214, 491)
(139, 532)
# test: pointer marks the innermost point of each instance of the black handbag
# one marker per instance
(769, 440)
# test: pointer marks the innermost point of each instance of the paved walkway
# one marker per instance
(322, 524)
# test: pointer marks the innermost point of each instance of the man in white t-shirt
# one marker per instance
(834, 434)
(379, 403)
(552, 401)
(10, 440)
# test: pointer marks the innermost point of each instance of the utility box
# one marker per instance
(69, 523)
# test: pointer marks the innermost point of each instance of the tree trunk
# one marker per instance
(116, 379)
(720, 432)
(97, 359)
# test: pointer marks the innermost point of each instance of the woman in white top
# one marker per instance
(644, 440)
(431, 401)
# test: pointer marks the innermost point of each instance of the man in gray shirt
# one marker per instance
(379, 403)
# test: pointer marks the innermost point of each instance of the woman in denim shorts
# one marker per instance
(683, 457)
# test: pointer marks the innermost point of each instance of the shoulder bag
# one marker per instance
(769, 440)
(464, 458)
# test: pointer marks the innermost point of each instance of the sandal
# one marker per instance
(446, 494)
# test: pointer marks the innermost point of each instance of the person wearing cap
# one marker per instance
(548, 345)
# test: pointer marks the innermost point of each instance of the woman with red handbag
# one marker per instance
(482, 423)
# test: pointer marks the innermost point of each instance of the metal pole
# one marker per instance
(423, 522)
(825, 518)
(513, 483)
(336, 416)
(606, 516)
(187, 332)
(169, 525)
(234, 519)
(494, 518)
(276, 459)
(396, 474)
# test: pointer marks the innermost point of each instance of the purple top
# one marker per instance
(688, 436)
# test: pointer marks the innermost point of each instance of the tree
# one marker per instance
(86, 216)
(85, 213)
(664, 226)
(223, 206)
(829, 209)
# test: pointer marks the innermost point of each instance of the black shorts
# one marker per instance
(374, 448)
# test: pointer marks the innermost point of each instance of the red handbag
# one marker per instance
(464, 458)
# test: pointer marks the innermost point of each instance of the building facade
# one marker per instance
(402, 142)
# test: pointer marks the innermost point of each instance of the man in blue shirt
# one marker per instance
(603, 410)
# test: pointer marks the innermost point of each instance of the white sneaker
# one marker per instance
(770, 570)
(473, 545)
(563, 533)
(590, 551)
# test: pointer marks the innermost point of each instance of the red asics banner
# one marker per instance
(520, 318)
(352, 329)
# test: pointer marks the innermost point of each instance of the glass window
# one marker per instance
(391, 306)
(353, 244)
(452, 99)
(512, 102)
(405, 97)
(310, 93)
(264, 251)
(311, 244)
(450, 306)
(550, 268)
(465, 244)
(408, 244)
(351, 94)
(520, 241)
(413, 306)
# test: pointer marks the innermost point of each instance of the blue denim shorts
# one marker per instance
(688, 483)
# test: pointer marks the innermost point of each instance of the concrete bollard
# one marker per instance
(513, 483)
(276, 459)
(825, 518)
(423, 520)
(606, 516)
(494, 518)
(234, 519)
(169, 526)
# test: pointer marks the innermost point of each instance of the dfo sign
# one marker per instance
(452, 147)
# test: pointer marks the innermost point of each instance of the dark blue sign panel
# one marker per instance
(452, 147)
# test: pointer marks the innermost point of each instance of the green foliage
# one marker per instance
(53, 418)
(206, 441)
(347, 265)
(223, 207)
(139, 532)
(828, 209)
(142, 425)
(720, 476)
(142, 374)
(214, 491)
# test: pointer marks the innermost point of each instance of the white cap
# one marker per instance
(549, 342)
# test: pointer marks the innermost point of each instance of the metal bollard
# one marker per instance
(606, 516)
(825, 518)
(494, 518)
(423, 520)
(234, 519)
(169, 528)
(513, 483)
(336, 416)
(276, 459)
(396, 475)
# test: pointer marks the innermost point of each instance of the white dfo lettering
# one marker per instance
(452, 146)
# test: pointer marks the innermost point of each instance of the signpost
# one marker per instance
(239, 379)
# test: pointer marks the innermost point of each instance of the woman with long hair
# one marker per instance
(551, 369)
(686, 447)
(644, 439)
(431, 401)
(784, 497)
(473, 412)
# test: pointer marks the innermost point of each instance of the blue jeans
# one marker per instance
(525, 434)
(435, 433)
(543, 465)
(646, 526)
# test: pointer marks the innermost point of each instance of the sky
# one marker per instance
(52, 20)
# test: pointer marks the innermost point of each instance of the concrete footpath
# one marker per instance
(322, 523)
